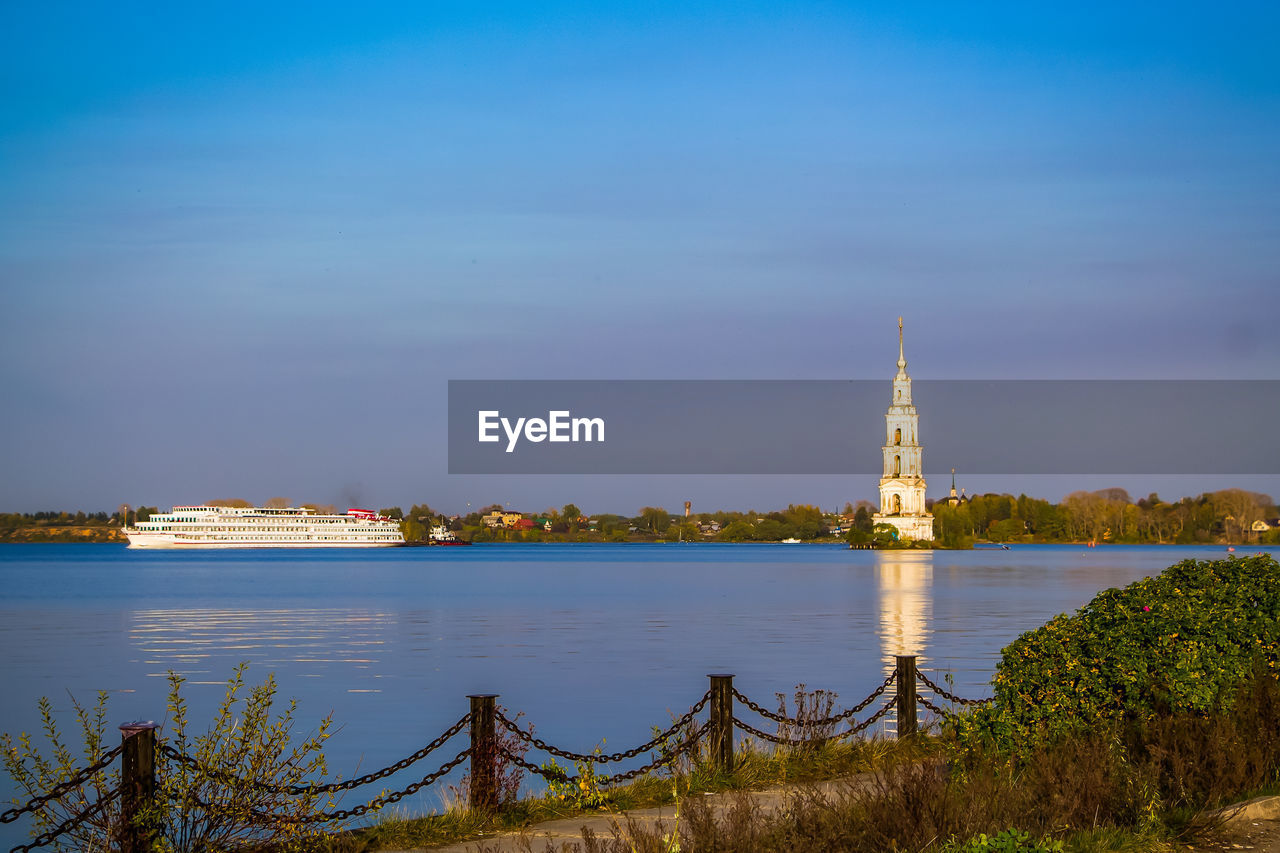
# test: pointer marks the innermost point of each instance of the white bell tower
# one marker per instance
(902, 484)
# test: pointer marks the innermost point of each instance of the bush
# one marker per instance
(229, 796)
(1008, 841)
(1119, 776)
(1182, 641)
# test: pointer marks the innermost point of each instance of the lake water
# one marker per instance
(590, 641)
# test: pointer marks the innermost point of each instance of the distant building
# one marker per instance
(902, 487)
(953, 499)
(499, 518)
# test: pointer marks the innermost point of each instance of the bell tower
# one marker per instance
(902, 484)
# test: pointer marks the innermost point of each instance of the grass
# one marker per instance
(1140, 786)
(756, 768)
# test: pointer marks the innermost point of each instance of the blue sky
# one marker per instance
(242, 249)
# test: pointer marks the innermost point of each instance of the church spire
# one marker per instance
(902, 488)
(902, 360)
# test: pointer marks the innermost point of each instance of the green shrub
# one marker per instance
(1008, 841)
(232, 796)
(1182, 641)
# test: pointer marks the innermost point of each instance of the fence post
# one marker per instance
(722, 721)
(906, 695)
(137, 783)
(484, 751)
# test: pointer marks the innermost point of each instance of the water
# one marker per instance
(590, 641)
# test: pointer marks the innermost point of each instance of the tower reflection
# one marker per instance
(906, 603)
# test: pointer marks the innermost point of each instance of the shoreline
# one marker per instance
(82, 536)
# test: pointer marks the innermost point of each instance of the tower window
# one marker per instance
(897, 436)
(897, 466)
(897, 504)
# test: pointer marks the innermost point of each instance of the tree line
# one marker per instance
(1104, 516)
(1108, 515)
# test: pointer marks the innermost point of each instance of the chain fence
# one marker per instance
(836, 719)
(10, 815)
(67, 825)
(594, 758)
(950, 697)
(378, 802)
(665, 759)
(227, 777)
(671, 744)
(799, 742)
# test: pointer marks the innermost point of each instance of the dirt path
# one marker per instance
(1251, 826)
(1254, 825)
(1261, 836)
(559, 834)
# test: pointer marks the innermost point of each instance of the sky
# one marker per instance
(244, 247)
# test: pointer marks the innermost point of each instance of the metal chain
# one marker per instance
(934, 708)
(563, 778)
(781, 741)
(346, 814)
(950, 697)
(870, 721)
(10, 815)
(613, 756)
(826, 721)
(550, 775)
(863, 726)
(227, 777)
(67, 825)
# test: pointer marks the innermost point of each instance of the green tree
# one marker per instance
(607, 523)
(392, 512)
(805, 521)
(413, 530)
(654, 519)
(884, 534)
(862, 520)
(421, 512)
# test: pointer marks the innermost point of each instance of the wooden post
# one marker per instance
(484, 751)
(906, 695)
(137, 783)
(722, 721)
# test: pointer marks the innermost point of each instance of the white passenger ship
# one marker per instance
(263, 527)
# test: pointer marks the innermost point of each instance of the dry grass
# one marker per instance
(1131, 788)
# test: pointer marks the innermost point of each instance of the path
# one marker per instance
(558, 833)
(1253, 826)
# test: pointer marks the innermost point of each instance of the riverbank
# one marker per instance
(62, 534)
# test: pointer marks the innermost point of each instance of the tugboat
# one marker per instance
(441, 535)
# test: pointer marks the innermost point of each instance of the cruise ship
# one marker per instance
(263, 527)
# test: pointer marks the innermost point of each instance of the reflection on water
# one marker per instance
(313, 643)
(590, 641)
(906, 603)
